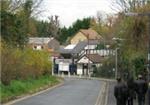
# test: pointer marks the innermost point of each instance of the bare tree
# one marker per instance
(126, 5)
(10, 5)
(53, 26)
(32, 7)
(14, 6)
(110, 20)
(99, 17)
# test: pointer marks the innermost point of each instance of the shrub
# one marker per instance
(106, 70)
(139, 65)
(22, 64)
(9, 66)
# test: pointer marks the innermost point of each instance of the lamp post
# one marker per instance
(107, 50)
(144, 14)
(116, 55)
(116, 62)
(53, 65)
(88, 58)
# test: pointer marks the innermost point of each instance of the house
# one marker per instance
(80, 48)
(81, 55)
(84, 35)
(74, 52)
(69, 55)
(86, 63)
(43, 43)
(53, 45)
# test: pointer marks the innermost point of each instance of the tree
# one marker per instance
(17, 21)
(42, 28)
(53, 26)
(12, 31)
(128, 5)
(104, 26)
(134, 32)
(30, 9)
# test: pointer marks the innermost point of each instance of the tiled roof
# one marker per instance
(39, 40)
(90, 33)
(95, 58)
(79, 47)
(65, 51)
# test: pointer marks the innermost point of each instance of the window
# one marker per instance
(35, 47)
(42, 47)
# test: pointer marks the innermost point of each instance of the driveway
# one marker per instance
(73, 92)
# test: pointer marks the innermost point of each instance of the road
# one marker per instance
(111, 98)
(73, 92)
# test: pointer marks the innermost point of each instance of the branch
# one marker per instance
(15, 5)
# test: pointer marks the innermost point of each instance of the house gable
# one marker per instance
(85, 34)
(53, 44)
(43, 43)
(84, 59)
(78, 37)
(91, 34)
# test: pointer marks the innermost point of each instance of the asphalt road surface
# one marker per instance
(111, 98)
(73, 92)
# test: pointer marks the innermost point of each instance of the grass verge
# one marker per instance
(17, 88)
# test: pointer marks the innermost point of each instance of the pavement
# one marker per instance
(73, 92)
(111, 99)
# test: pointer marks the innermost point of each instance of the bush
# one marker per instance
(22, 64)
(106, 70)
(139, 65)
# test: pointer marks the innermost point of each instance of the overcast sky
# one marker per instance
(71, 10)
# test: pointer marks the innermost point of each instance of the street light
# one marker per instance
(116, 55)
(107, 50)
(116, 62)
(144, 14)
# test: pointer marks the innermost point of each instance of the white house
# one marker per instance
(86, 62)
(83, 55)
